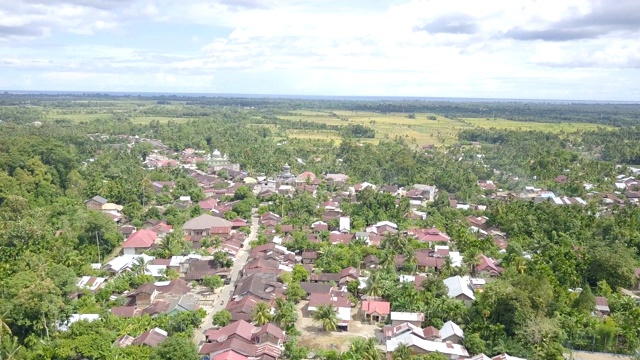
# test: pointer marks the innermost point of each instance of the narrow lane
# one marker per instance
(224, 294)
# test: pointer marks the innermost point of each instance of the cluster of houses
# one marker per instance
(260, 278)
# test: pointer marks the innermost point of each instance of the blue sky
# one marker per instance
(537, 49)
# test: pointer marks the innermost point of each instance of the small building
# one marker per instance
(95, 203)
(415, 319)
(376, 311)
(602, 306)
(451, 332)
(460, 289)
(139, 242)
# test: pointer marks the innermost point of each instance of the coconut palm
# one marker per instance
(327, 316)
(261, 313)
(139, 266)
(375, 285)
(402, 352)
(387, 259)
(366, 349)
(286, 313)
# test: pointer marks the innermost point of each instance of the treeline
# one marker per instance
(186, 106)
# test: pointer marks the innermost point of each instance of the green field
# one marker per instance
(520, 125)
(418, 131)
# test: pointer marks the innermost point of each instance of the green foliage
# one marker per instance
(212, 282)
(175, 347)
(222, 318)
(327, 317)
(261, 313)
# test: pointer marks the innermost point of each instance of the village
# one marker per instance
(266, 256)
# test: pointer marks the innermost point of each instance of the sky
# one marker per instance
(521, 49)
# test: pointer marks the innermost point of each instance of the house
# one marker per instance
(348, 274)
(415, 319)
(305, 177)
(488, 267)
(460, 288)
(124, 262)
(242, 308)
(309, 256)
(206, 224)
(240, 329)
(316, 288)
(336, 179)
(602, 306)
(451, 332)
(229, 355)
(319, 226)
(429, 235)
(139, 242)
(417, 344)
(95, 203)
(198, 269)
(339, 300)
(91, 283)
(487, 185)
(65, 325)
(370, 262)
(262, 288)
(376, 311)
(151, 338)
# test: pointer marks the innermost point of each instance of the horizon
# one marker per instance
(507, 49)
(310, 96)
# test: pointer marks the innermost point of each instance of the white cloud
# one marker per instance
(509, 48)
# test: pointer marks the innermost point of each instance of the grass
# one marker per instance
(520, 125)
(162, 119)
(418, 131)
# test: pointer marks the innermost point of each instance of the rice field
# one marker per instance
(421, 130)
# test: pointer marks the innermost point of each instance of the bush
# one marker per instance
(222, 318)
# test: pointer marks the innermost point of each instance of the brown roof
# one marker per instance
(242, 308)
(151, 338)
(318, 288)
(310, 255)
(239, 328)
(123, 311)
(271, 329)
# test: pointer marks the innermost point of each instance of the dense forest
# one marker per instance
(48, 238)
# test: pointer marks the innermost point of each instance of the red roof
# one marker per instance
(140, 239)
(240, 328)
(378, 307)
(430, 235)
(238, 222)
(229, 355)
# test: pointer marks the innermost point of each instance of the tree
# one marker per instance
(364, 349)
(299, 273)
(295, 292)
(327, 316)
(261, 313)
(139, 266)
(212, 282)
(176, 347)
(375, 285)
(402, 352)
(286, 314)
(222, 318)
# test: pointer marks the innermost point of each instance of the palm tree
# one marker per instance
(366, 349)
(327, 316)
(261, 313)
(402, 352)
(139, 266)
(4, 328)
(387, 259)
(375, 285)
(286, 313)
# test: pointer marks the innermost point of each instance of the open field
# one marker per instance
(521, 125)
(162, 119)
(420, 130)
